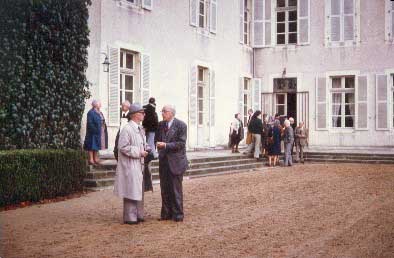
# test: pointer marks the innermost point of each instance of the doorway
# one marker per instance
(285, 97)
(203, 135)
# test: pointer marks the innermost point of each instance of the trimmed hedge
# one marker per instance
(33, 175)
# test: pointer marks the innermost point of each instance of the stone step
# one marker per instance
(371, 155)
(103, 182)
(348, 157)
(338, 160)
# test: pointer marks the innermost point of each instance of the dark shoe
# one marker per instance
(140, 220)
(178, 219)
(236, 151)
(131, 222)
(163, 219)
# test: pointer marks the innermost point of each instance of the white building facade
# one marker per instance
(329, 63)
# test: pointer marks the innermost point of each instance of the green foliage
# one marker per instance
(43, 86)
(33, 175)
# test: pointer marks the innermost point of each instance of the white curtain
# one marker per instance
(336, 107)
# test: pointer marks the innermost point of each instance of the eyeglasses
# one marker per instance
(164, 111)
(142, 112)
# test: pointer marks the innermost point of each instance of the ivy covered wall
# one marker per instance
(43, 59)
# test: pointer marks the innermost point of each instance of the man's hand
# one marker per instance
(144, 154)
(161, 145)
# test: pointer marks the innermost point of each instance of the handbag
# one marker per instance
(248, 139)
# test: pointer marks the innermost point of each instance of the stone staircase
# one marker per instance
(103, 176)
(342, 157)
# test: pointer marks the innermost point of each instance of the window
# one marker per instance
(246, 99)
(342, 21)
(128, 76)
(202, 14)
(392, 99)
(137, 4)
(342, 101)
(389, 11)
(246, 23)
(286, 22)
(201, 88)
(280, 104)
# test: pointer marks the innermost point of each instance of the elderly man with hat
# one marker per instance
(129, 171)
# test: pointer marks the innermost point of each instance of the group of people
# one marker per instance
(265, 135)
(142, 138)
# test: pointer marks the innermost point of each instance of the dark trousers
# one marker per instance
(171, 192)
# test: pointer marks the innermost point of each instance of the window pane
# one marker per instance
(246, 27)
(246, 84)
(292, 26)
(280, 39)
(200, 118)
(281, 3)
(245, 99)
(337, 98)
(200, 105)
(349, 82)
(292, 38)
(201, 21)
(200, 74)
(200, 92)
(280, 99)
(336, 83)
(129, 61)
(120, 98)
(121, 59)
(121, 81)
(280, 27)
(349, 110)
(336, 121)
(281, 110)
(349, 98)
(336, 109)
(202, 7)
(292, 2)
(292, 15)
(129, 96)
(349, 121)
(280, 16)
(128, 82)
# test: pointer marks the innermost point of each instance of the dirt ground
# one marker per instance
(314, 210)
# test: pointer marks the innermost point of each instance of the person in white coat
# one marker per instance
(129, 171)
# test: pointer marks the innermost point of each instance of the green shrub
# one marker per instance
(43, 85)
(33, 175)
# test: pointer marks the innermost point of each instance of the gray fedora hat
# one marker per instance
(135, 108)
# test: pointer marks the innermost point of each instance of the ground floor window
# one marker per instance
(128, 76)
(342, 101)
(247, 99)
(202, 91)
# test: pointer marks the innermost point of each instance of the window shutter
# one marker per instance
(389, 18)
(335, 21)
(267, 103)
(256, 94)
(382, 102)
(258, 23)
(303, 22)
(321, 104)
(241, 21)
(213, 19)
(348, 20)
(267, 23)
(362, 103)
(147, 4)
(193, 96)
(241, 96)
(113, 94)
(392, 21)
(193, 12)
(145, 68)
(212, 99)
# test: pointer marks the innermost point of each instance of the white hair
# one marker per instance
(170, 108)
(287, 123)
(126, 103)
(291, 120)
(95, 102)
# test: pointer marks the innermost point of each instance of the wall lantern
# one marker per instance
(106, 63)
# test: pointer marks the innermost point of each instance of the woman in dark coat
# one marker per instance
(274, 149)
(94, 130)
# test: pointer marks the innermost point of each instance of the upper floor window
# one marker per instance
(342, 22)
(203, 14)
(246, 22)
(138, 4)
(286, 22)
(342, 100)
(389, 11)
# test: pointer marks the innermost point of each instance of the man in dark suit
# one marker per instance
(170, 139)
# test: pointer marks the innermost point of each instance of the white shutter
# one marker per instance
(145, 75)
(334, 20)
(389, 20)
(241, 21)
(113, 90)
(256, 94)
(193, 12)
(267, 23)
(212, 99)
(348, 20)
(258, 23)
(193, 96)
(147, 4)
(362, 103)
(267, 103)
(321, 103)
(392, 21)
(303, 22)
(241, 96)
(213, 19)
(382, 94)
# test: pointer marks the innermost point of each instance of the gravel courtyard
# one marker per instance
(315, 210)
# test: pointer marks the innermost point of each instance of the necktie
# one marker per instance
(165, 126)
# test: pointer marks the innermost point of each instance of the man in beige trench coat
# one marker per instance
(129, 171)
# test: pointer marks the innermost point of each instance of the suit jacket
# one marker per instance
(301, 136)
(175, 151)
(288, 136)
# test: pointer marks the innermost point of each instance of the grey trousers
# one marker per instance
(299, 152)
(150, 140)
(288, 157)
(256, 145)
(133, 210)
